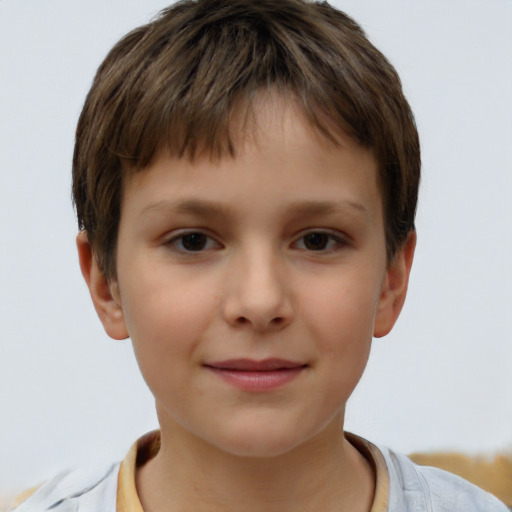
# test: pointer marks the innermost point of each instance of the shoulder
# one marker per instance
(86, 490)
(412, 487)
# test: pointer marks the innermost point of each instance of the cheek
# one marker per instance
(340, 311)
(166, 318)
(340, 319)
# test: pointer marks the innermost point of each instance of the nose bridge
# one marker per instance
(260, 292)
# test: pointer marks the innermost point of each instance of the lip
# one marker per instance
(252, 375)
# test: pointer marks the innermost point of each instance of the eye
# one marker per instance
(319, 241)
(193, 242)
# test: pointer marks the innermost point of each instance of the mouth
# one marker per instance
(252, 375)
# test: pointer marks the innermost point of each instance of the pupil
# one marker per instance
(316, 241)
(194, 241)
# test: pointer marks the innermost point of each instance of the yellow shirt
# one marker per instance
(147, 447)
(400, 484)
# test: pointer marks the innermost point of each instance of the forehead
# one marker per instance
(281, 112)
(278, 156)
(249, 121)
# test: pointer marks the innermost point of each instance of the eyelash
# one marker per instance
(336, 241)
(179, 240)
(205, 242)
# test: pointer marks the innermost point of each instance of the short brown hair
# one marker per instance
(176, 82)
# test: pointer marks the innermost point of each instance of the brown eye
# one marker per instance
(323, 242)
(193, 241)
(189, 242)
(316, 241)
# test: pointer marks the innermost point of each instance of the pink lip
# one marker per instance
(250, 375)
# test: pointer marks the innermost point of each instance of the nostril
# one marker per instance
(276, 322)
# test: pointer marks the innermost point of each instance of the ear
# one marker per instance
(104, 293)
(394, 288)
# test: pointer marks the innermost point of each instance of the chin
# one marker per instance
(257, 448)
(260, 440)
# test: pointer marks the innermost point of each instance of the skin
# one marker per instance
(292, 265)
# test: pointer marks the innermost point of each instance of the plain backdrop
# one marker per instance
(441, 380)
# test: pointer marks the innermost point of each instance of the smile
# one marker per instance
(250, 375)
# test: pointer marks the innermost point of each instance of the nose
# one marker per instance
(258, 293)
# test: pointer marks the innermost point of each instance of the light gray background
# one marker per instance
(441, 380)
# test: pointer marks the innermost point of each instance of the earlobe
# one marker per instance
(104, 293)
(394, 288)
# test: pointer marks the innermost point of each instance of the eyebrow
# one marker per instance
(207, 208)
(327, 207)
(191, 206)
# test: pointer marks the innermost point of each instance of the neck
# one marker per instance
(326, 474)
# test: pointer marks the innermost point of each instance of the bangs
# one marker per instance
(182, 83)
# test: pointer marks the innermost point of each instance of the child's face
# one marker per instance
(251, 287)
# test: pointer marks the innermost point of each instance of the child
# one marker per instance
(245, 178)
